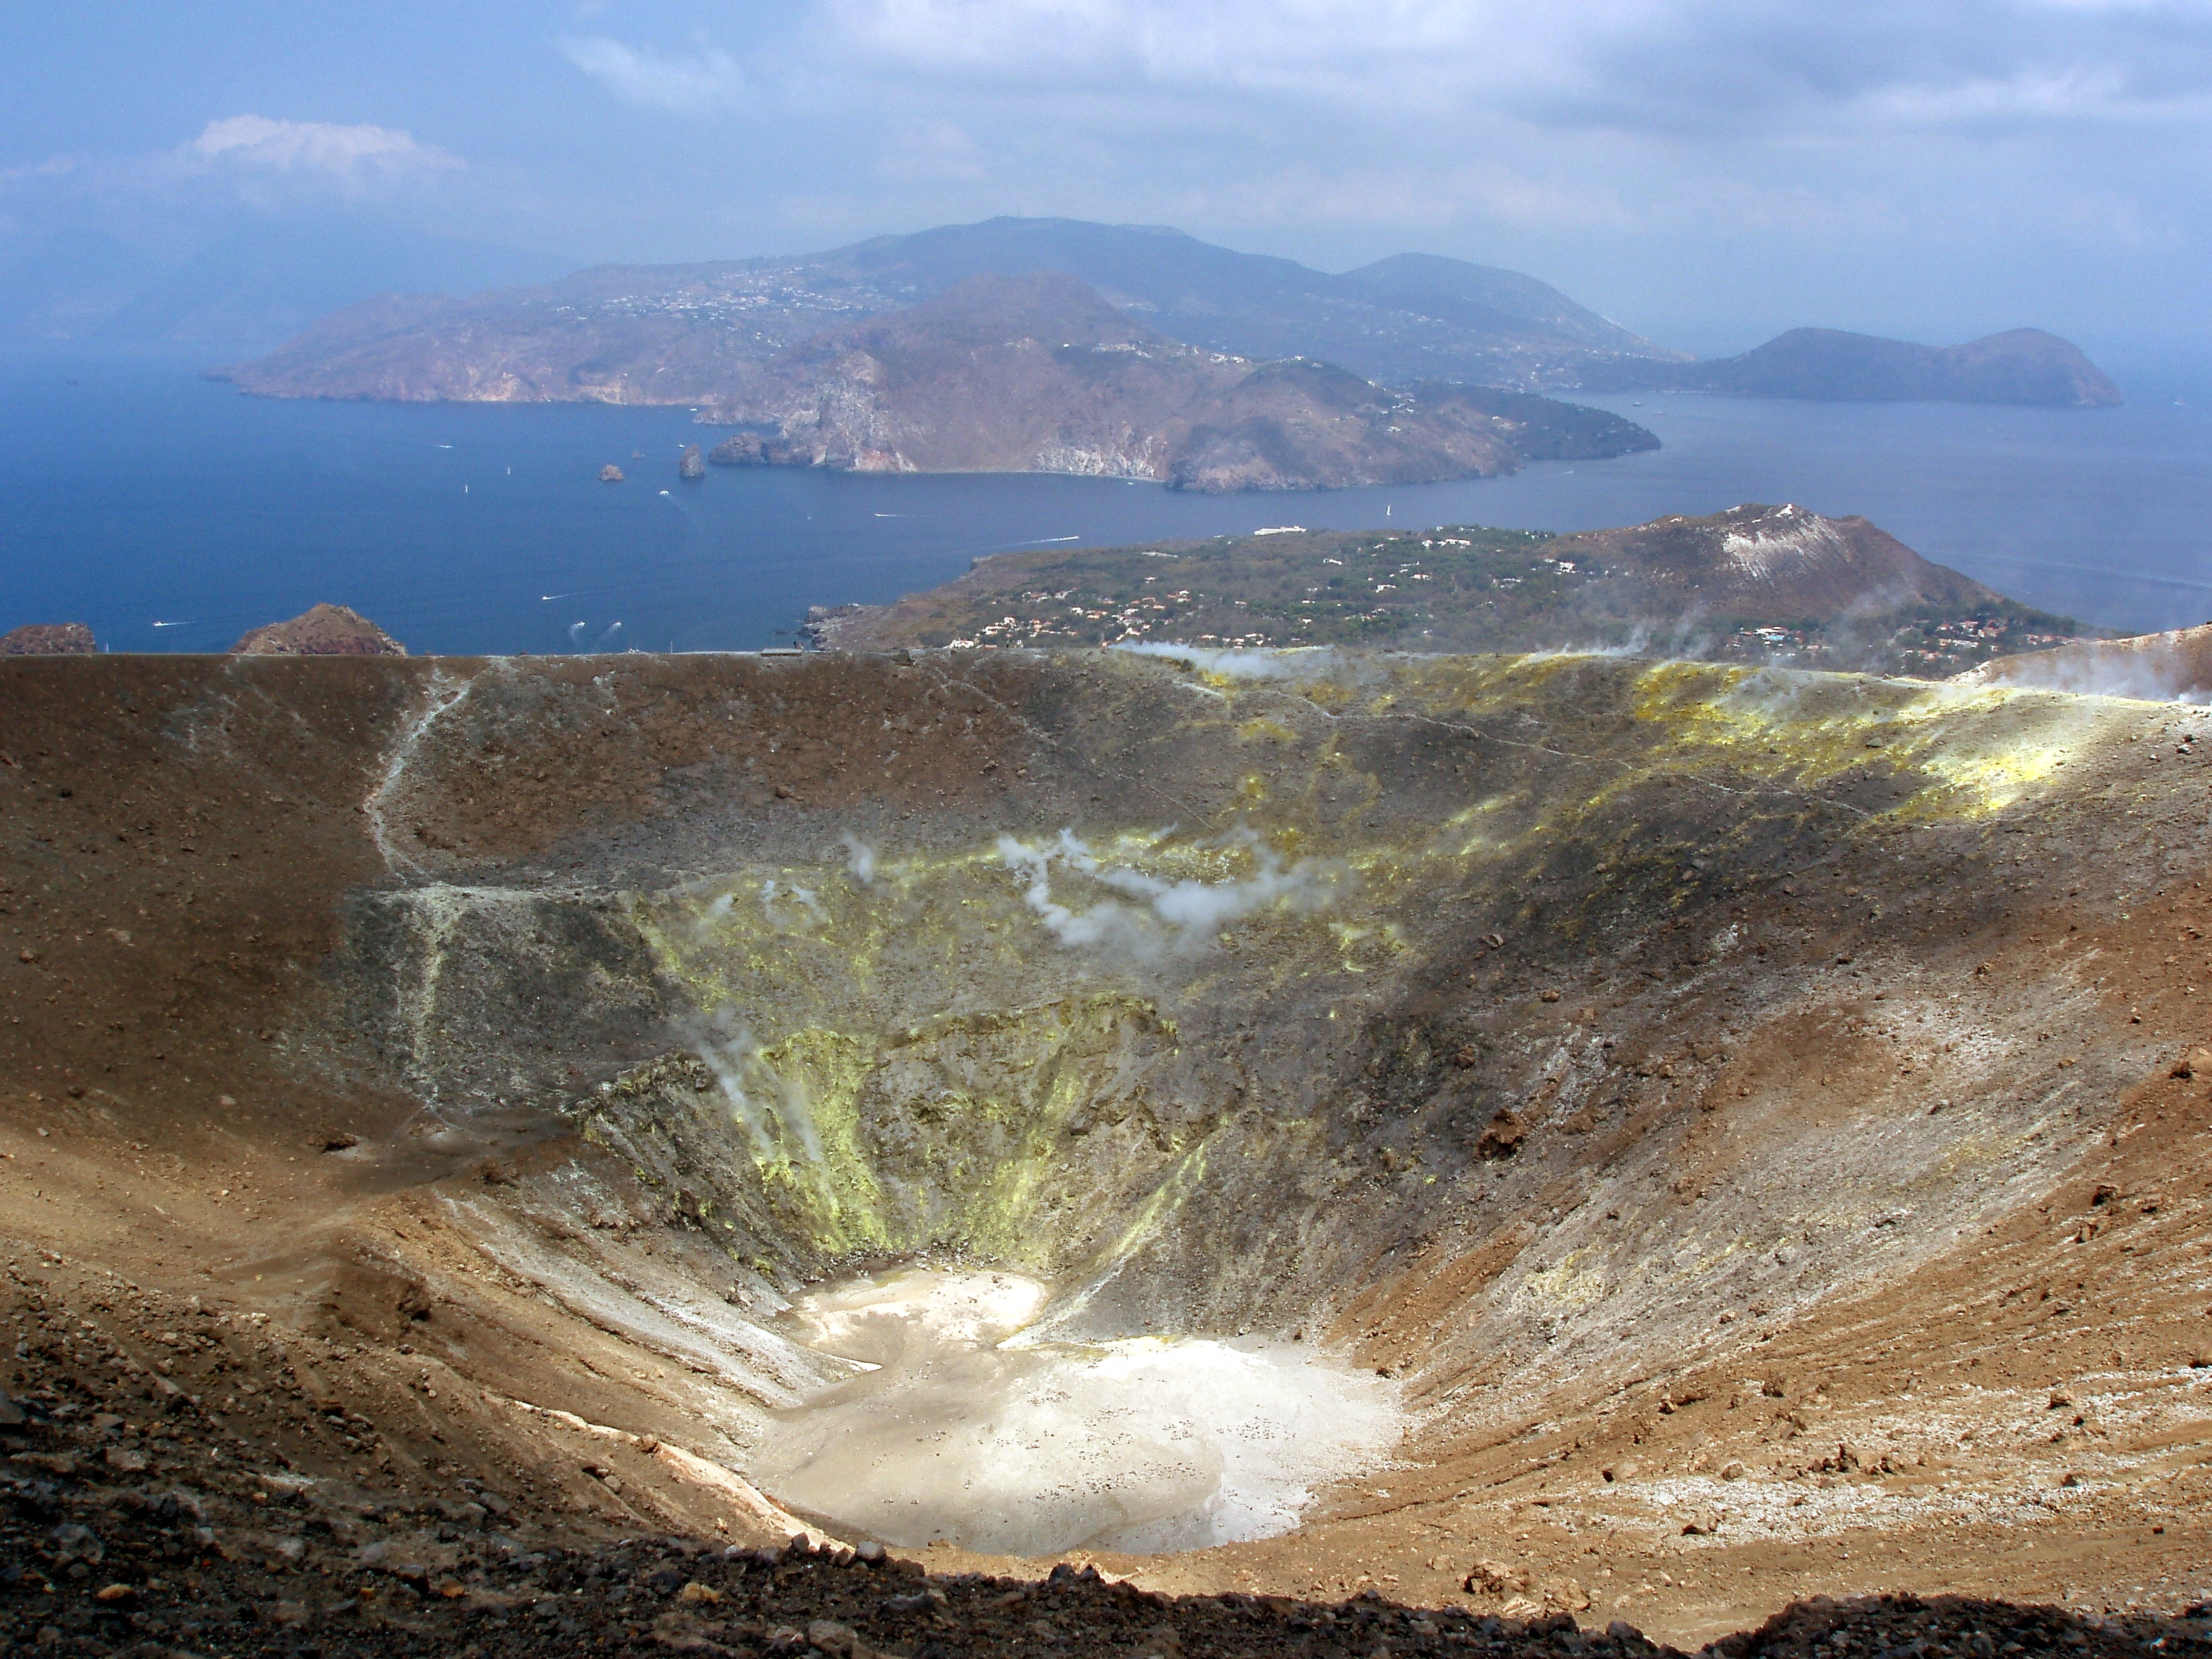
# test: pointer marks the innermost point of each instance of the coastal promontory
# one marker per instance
(1039, 373)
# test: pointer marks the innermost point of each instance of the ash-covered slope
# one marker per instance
(2020, 366)
(1039, 374)
(683, 334)
(1681, 1079)
(2173, 666)
(1777, 562)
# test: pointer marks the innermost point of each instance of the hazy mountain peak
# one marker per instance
(679, 333)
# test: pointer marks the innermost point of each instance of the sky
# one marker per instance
(1707, 172)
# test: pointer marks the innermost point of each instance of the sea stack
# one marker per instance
(611, 473)
(326, 630)
(693, 466)
(48, 640)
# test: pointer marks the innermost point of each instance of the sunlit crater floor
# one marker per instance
(958, 1430)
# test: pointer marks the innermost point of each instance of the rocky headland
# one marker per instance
(1039, 374)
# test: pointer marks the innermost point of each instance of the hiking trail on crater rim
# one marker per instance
(1746, 1126)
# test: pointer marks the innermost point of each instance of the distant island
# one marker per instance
(2021, 366)
(761, 342)
(1763, 583)
(676, 334)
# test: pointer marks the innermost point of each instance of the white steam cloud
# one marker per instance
(859, 859)
(1180, 916)
(2144, 676)
(1239, 664)
(774, 1111)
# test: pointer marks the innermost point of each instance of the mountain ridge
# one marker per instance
(678, 333)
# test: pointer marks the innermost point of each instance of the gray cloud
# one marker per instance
(1707, 171)
(1716, 67)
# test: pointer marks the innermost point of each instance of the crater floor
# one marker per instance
(1629, 1140)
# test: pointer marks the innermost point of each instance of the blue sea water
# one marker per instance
(173, 514)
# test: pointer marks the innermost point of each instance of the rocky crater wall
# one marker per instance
(1524, 1029)
(1227, 1003)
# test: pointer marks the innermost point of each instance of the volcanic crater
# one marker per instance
(1523, 1134)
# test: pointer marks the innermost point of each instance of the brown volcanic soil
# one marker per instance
(238, 1223)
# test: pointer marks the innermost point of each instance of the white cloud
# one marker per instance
(315, 148)
(708, 80)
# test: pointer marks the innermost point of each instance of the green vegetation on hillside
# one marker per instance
(1454, 588)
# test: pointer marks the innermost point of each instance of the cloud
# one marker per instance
(708, 80)
(1674, 65)
(256, 143)
(249, 165)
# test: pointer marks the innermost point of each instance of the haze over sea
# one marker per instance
(172, 514)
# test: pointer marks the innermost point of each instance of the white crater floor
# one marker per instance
(961, 1430)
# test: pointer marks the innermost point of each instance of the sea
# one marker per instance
(173, 514)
